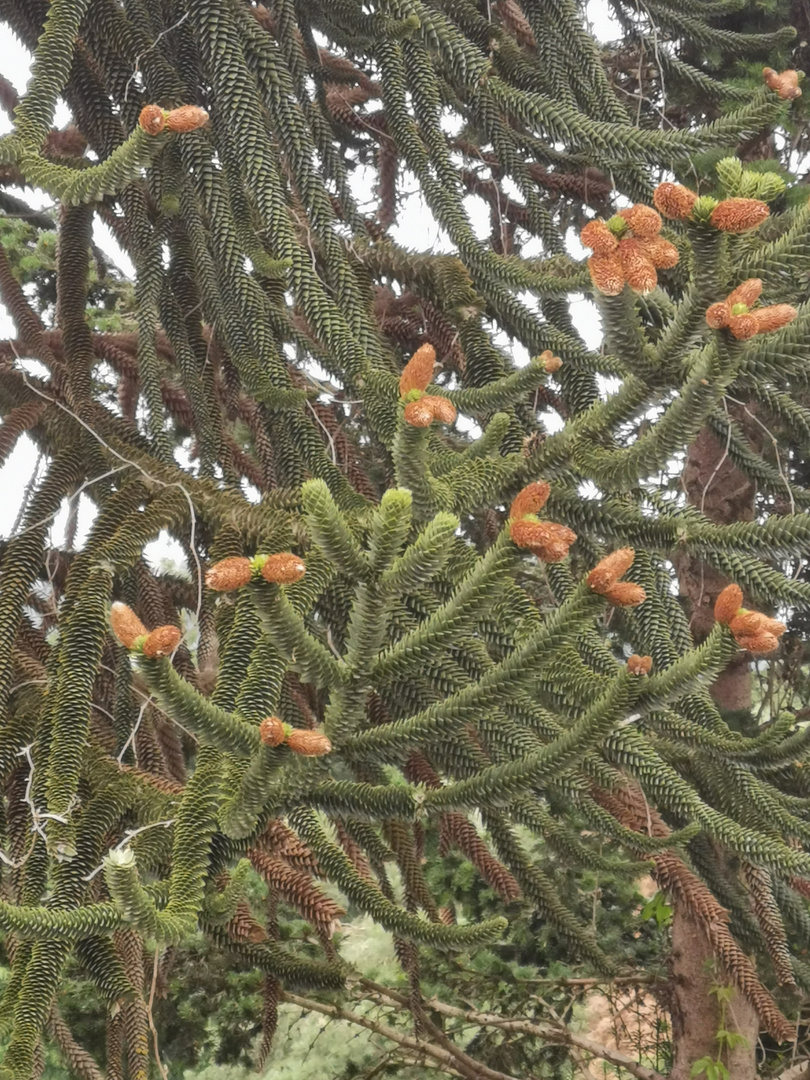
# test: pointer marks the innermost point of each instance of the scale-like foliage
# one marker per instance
(384, 647)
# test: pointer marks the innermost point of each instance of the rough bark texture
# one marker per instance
(723, 494)
(694, 1011)
(713, 484)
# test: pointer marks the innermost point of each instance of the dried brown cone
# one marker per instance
(186, 118)
(728, 603)
(608, 570)
(152, 119)
(530, 499)
(457, 831)
(162, 642)
(550, 362)
(607, 274)
(801, 886)
(282, 842)
(308, 743)
(418, 372)
(643, 220)
(115, 1047)
(738, 215)
(447, 916)
(126, 625)
(673, 876)
(784, 83)
(401, 838)
(598, 237)
(271, 731)
(15, 422)
(228, 574)
(129, 946)
(639, 665)
(243, 926)
(77, 1059)
(418, 770)
(284, 568)
(630, 807)
(387, 172)
(766, 910)
(353, 850)
(418, 413)
(271, 994)
(164, 784)
(674, 200)
(625, 594)
(298, 889)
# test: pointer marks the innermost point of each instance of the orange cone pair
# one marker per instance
(274, 732)
(133, 635)
(422, 409)
(545, 539)
(735, 312)
(284, 568)
(604, 579)
(751, 630)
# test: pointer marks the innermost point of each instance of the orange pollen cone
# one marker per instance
(418, 372)
(126, 625)
(162, 642)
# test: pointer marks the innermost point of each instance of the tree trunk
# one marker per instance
(714, 485)
(695, 1011)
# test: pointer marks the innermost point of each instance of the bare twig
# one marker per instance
(421, 1048)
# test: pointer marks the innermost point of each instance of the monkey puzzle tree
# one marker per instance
(398, 625)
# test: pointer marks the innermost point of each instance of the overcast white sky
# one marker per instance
(415, 229)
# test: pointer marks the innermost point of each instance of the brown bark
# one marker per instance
(694, 1010)
(716, 487)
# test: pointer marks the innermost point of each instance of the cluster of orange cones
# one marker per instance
(735, 312)
(153, 119)
(302, 741)
(422, 409)
(627, 249)
(751, 630)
